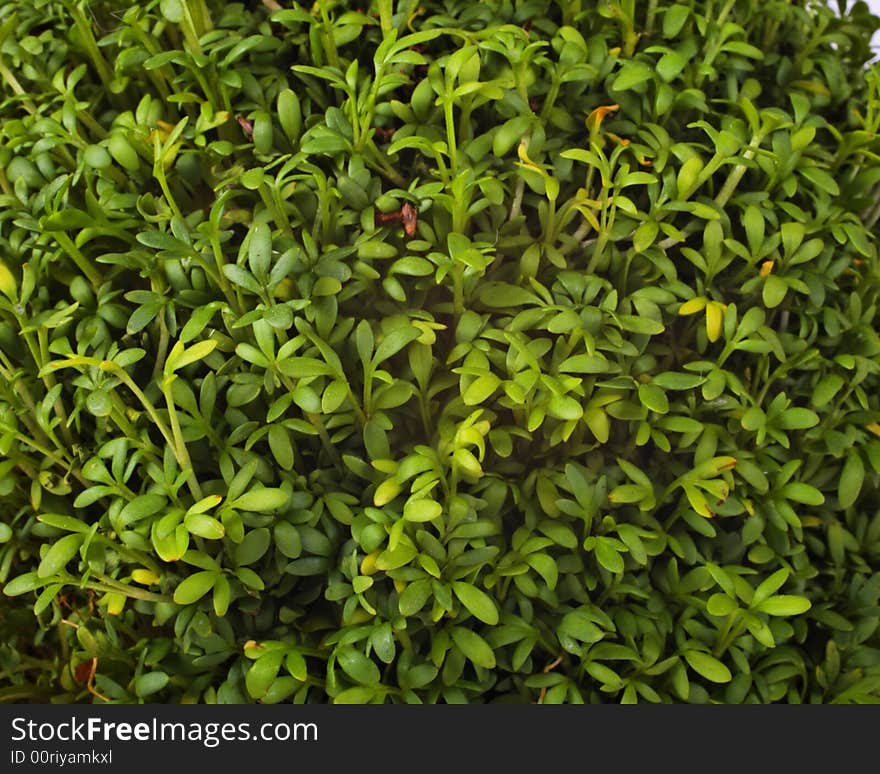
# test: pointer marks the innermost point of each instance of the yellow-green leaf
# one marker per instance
(422, 510)
(708, 666)
(193, 588)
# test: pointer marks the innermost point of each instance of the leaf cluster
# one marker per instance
(427, 352)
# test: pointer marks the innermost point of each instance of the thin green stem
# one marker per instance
(111, 586)
(164, 340)
(650, 17)
(17, 89)
(550, 99)
(386, 9)
(82, 263)
(44, 451)
(327, 35)
(162, 76)
(451, 145)
(232, 296)
(181, 453)
(729, 633)
(363, 126)
(278, 215)
(458, 288)
(49, 381)
(736, 174)
(118, 415)
(550, 224)
(316, 421)
(159, 174)
(84, 28)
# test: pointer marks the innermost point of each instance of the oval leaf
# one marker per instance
(61, 552)
(193, 588)
(708, 666)
(785, 604)
(478, 603)
(474, 647)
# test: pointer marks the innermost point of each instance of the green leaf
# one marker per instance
(290, 114)
(150, 683)
(382, 640)
(260, 249)
(652, 397)
(252, 179)
(414, 596)
(645, 235)
(23, 584)
(671, 64)
(263, 672)
(254, 546)
(579, 625)
(774, 291)
(180, 358)
(222, 595)
(205, 504)
(250, 579)
(264, 500)
(821, 179)
(798, 419)
(304, 367)
(97, 157)
(480, 389)
(422, 510)
(395, 341)
(141, 507)
(672, 380)
(608, 556)
(204, 526)
(242, 277)
(478, 603)
(364, 341)
(642, 325)
(720, 605)
(172, 10)
(59, 554)
(60, 521)
(500, 295)
(770, 586)
(586, 364)
(628, 493)
(357, 694)
(288, 540)
(688, 176)
(474, 647)
(193, 588)
(296, 665)
(545, 565)
(280, 446)
(708, 666)
(69, 219)
(799, 492)
(674, 18)
(632, 74)
(826, 389)
(784, 605)
(851, 479)
(564, 407)
(357, 666)
(509, 133)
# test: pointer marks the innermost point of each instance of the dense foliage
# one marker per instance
(510, 351)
